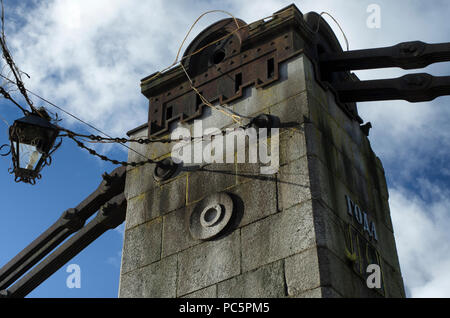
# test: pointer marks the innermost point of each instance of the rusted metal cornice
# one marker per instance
(248, 57)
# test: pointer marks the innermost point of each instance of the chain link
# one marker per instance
(105, 158)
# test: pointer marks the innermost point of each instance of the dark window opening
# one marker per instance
(237, 81)
(169, 112)
(218, 56)
(198, 102)
(270, 68)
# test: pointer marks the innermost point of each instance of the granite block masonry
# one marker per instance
(293, 233)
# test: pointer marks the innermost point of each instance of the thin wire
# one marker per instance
(6, 95)
(235, 117)
(3, 20)
(175, 62)
(4, 120)
(192, 26)
(14, 69)
(75, 117)
(212, 43)
(343, 33)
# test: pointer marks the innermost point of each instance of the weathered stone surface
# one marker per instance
(323, 149)
(330, 130)
(168, 197)
(386, 245)
(291, 111)
(294, 183)
(156, 202)
(330, 229)
(333, 109)
(393, 281)
(210, 179)
(312, 293)
(214, 118)
(157, 280)
(291, 83)
(139, 151)
(278, 236)
(244, 148)
(361, 187)
(315, 144)
(328, 292)
(208, 263)
(250, 171)
(208, 292)
(302, 272)
(176, 236)
(265, 282)
(330, 232)
(292, 145)
(349, 126)
(259, 198)
(292, 78)
(332, 188)
(317, 115)
(313, 87)
(359, 159)
(340, 277)
(381, 206)
(321, 182)
(142, 245)
(136, 208)
(383, 186)
(131, 285)
(139, 180)
(248, 105)
(158, 150)
(319, 292)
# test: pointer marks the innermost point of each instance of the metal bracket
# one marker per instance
(408, 55)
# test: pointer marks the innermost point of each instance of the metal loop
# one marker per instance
(6, 154)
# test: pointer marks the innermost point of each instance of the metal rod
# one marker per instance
(110, 216)
(71, 221)
(412, 87)
(407, 55)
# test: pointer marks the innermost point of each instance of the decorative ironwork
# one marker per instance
(32, 144)
(108, 198)
(408, 55)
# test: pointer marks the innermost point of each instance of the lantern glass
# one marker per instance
(32, 139)
(29, 156)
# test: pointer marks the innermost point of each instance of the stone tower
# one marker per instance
(308, 229)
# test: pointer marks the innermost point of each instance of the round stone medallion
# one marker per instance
(210, 216)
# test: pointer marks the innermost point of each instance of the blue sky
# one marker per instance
(88, 57)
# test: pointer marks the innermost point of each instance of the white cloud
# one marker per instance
(115, 260)
(422, 238)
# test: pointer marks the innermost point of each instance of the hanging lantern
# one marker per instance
(32, 139)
